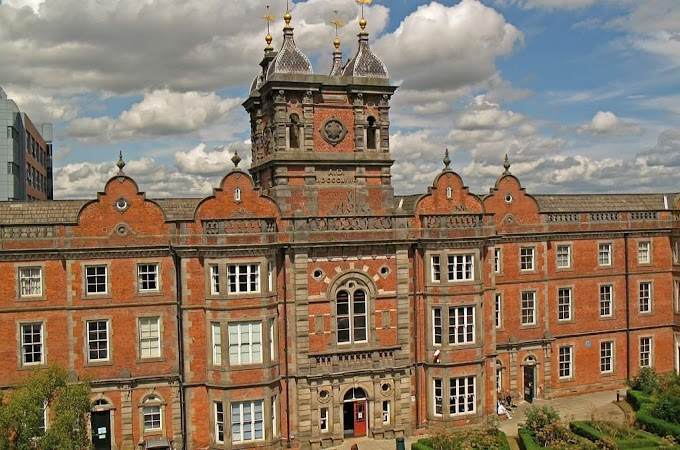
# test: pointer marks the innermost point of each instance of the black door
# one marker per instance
(348, 418)
(529, 383)
(101, 430)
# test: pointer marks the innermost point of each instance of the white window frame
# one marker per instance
(152, 411)
(30, 282)
(644, 252)
(676, 294)
(645, 297)
(437, 326)
(95, 279)
(604, 254)
(219, 422)
(147, 337)
(272, 339)
(606, 356)
(237, 345)
(36, 347)
(560, 255)
(438, 396)
(606, 298)
(214, 279)
(527, 259)
(107, 340)
(646, 351)
(531, 295)
(323, 420)
(498, 309)
(460, 267)
(566, 362)
(464, 322)
(676, 251)
(270, 276)
(386, 412)
(252, 424)
(251, 272)
(565, 304)
(459, 395)
(216, 333)
(148, 276)
(352, 315)
(274, 415)
(435, 268)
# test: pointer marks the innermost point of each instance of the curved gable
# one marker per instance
(509, 202)
(448, 195)
(121, 210)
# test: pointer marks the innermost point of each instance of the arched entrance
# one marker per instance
(100, 422)
(355, 413)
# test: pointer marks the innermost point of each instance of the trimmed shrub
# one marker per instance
(645, 420)
(422, 444)
(622, 437)
(637, 398)
(646, 381)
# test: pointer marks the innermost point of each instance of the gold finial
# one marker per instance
(287, 15)
(269, 18)
(362, 21)
(338, 24)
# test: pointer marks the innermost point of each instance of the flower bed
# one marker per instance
(613, 435)
(482, 439)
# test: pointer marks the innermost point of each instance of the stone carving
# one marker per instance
(24, 232)
(644, 215)
(335, 176)
(333, 130)
(241, 212)
(239, 226)
(563, 217)
(351, 206)
(453, 221)
(347, 223)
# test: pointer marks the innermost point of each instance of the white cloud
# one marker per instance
(605, 123)
(200, 161)
(484, 115)
(440, 48)
(160, 113)
(42, 107)
(547, 4)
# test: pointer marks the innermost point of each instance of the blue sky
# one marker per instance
(582, 94)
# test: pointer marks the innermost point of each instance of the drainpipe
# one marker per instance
(415, 332)
(180, 344)
(285, 346)
(627, 286)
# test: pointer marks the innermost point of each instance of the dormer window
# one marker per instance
(371, 131)
(294, 132)
(237, 194)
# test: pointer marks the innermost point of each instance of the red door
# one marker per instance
(359, 418)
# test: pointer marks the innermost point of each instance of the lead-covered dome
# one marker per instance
(289, 59)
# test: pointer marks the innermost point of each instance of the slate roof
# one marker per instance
(603, 202)
(180, 209)
(41, 212)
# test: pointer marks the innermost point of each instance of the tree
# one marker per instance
(22, 413)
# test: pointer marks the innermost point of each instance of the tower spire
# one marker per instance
(336, 69)
(364, 63)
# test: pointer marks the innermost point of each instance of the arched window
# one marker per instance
(294, 132)
(448, 192)
(237, 194)
(152, 414)
(351, 314)
(371, 133)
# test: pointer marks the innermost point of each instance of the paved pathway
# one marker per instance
(577, 407)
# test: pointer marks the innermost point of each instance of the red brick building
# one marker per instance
(305, 302)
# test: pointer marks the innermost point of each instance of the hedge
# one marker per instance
(425, 444)
(526, 440)
(637, 398)
(645, 420)
(641, 439)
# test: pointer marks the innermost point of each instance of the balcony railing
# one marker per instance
(352, 360)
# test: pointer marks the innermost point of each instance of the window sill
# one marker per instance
(31, 298)
(564, 269)
(529, 326)
(100, 296)
(151, 359)
(607, 317)
(148, 293)
(98, 363)
(607, 374)
(32, 366)
(565, 321)
(565, 379)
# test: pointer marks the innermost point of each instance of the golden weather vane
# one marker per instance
(269, 18)
(338, 24)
